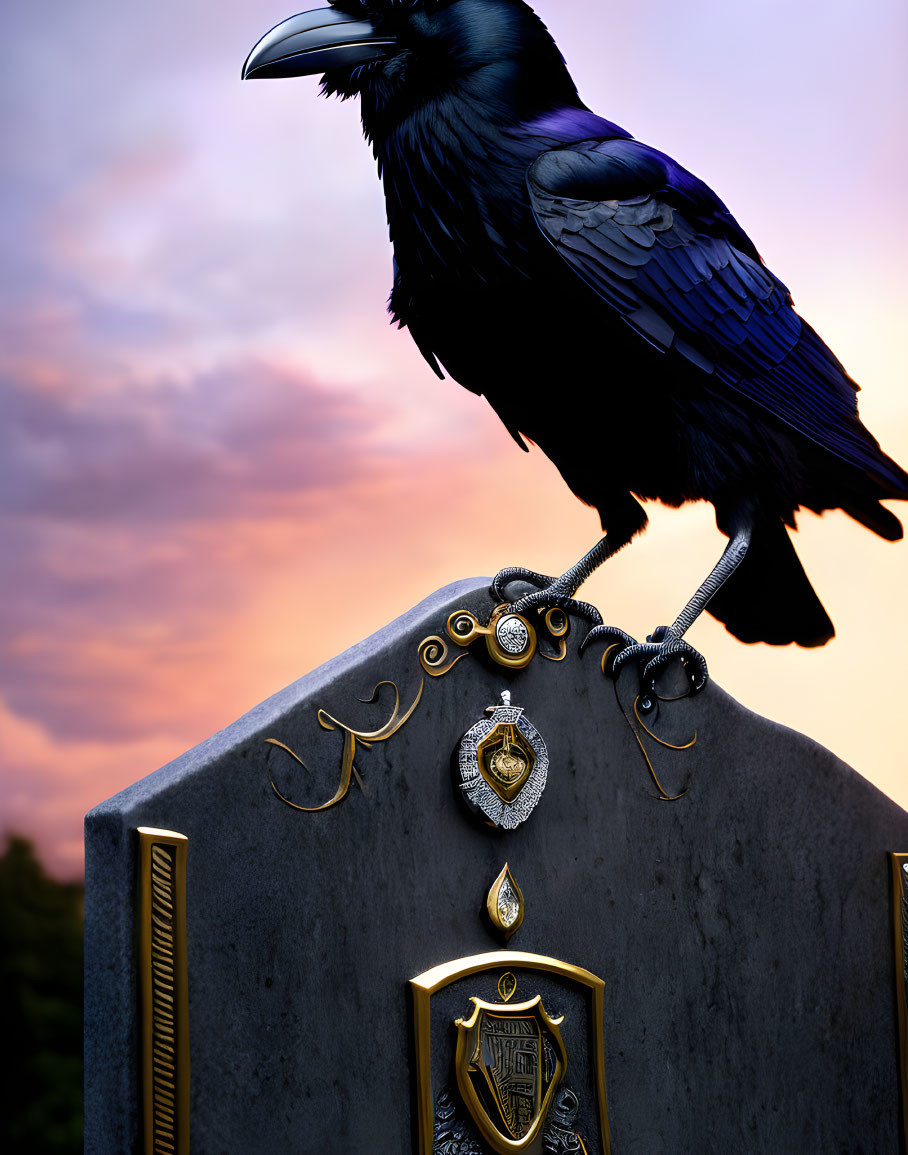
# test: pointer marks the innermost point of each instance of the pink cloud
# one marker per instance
(142, 522)
(44, 785)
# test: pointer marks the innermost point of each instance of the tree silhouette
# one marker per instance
(40, 1006)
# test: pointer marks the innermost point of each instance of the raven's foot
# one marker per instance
(661, 648)
(550, 592)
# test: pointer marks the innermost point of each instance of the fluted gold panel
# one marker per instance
(165, 995)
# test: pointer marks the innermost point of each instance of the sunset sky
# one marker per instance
(219, 465)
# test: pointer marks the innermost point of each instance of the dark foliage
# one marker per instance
(41, 992)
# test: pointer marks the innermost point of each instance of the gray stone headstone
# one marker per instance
(743, 931)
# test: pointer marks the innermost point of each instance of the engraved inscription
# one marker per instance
(511, 1053)
(512, 634)
(510, 1060)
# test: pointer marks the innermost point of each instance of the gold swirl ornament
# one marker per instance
(511, 639)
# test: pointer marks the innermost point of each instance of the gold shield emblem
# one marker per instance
(509, 1062)
(495, 1071)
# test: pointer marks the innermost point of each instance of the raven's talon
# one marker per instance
(515, 573)
(661, 648)
(550, 593)
(619, 641)
(553, 596)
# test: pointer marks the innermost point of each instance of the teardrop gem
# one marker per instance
(504, 903)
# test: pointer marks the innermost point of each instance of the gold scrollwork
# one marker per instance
(507, 985)
(663, 794)
(557, 622)
(351, 737)
(433, 656)
(510, 639)
(503, 625)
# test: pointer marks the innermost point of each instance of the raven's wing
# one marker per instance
(661, 249)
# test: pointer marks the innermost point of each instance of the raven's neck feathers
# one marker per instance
(454, 175)
(455, 118)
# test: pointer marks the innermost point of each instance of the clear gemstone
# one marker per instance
(508, 904)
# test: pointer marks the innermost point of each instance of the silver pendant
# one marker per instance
(502, 765)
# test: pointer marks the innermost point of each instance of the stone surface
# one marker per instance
(742, 931)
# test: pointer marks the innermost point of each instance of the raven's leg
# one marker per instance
(559, 591)
(622, 519)
(667, 642)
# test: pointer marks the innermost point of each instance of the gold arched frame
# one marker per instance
(424, 986)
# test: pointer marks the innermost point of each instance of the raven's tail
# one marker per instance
(769, 597)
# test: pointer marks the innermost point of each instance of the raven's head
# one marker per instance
(400, 55)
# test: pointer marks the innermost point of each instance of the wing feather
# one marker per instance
(661, 249)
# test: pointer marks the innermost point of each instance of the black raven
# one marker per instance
(603, 299)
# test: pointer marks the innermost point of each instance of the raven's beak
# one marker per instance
(315, 42)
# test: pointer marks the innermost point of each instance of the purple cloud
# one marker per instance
(235, 440)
